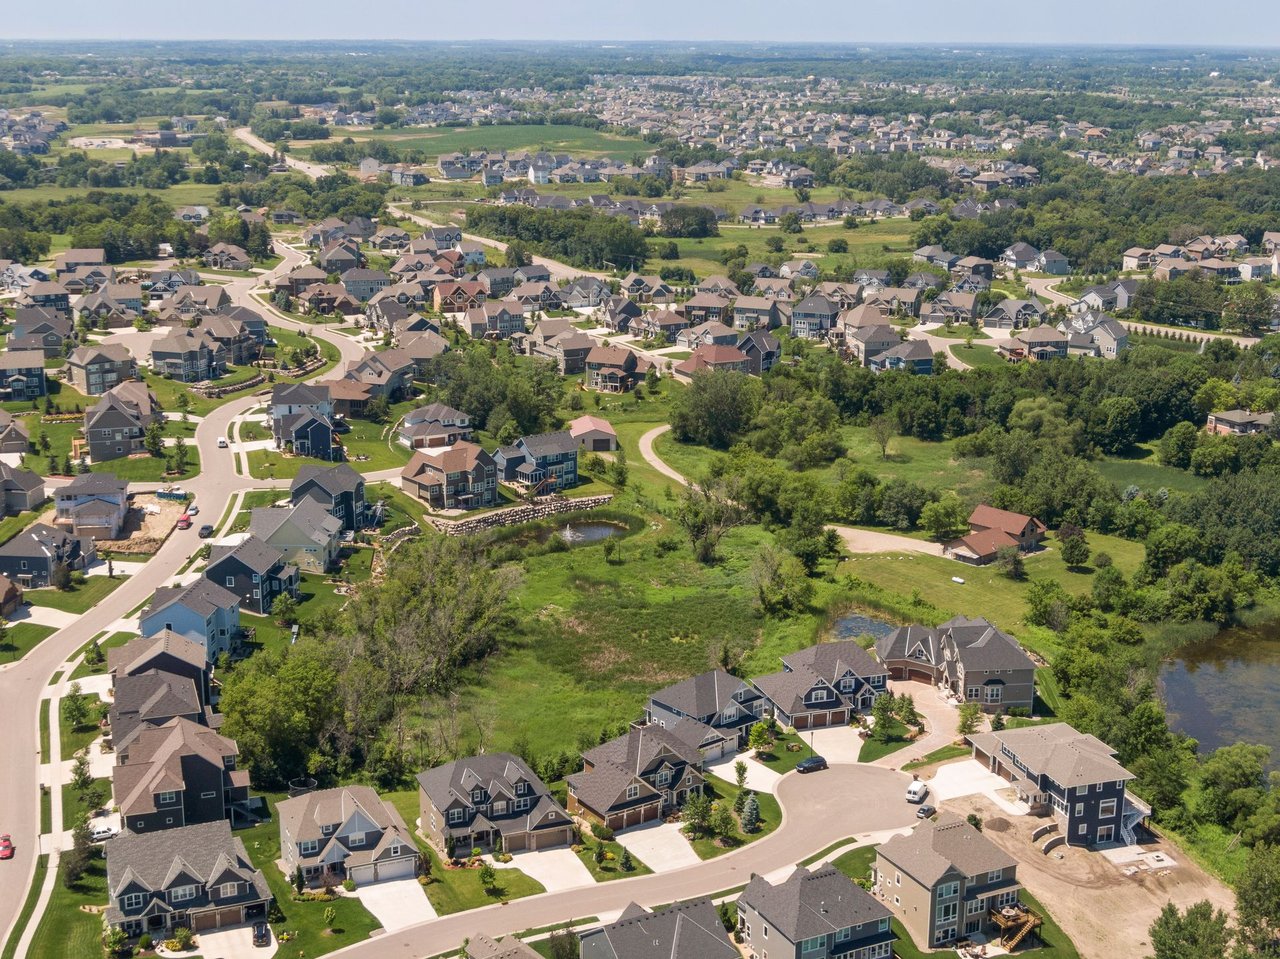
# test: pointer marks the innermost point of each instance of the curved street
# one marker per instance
(25, 683)
(847, 801)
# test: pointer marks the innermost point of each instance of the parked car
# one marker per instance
(222, 443)
(925, 812)
(261, 934)
(102, 831)
(811, 765)
(193, 510)
(205, 531)
(6, 847)
(918, 791)
(184, 521)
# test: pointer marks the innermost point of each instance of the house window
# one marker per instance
(1106, 833)
(500, 808)
(846, 684)
(994, 693)
(897, 879)
(1106, 809)
(1079, 809)
(210, 795)
(182, 893)
(947, 890)
(664, 777)
(1082, 829)
(813, 945)
(456, 815)
(165, 798)
(973, 907)
(231, 581)
(228, 890)
(308, 847)
(948, 911)
(845, 934)
(355, 839)
(132, 901)
(633, 791)
(974, 692)
(522, 804)
(820, 695)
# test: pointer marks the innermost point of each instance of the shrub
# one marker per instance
(602, 832)
(144, 941)
(183, 939)
(349, 884)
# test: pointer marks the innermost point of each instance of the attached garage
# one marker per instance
(402, 868)
(204, 920)
(550, 838)
(920, 675)
(230, 916)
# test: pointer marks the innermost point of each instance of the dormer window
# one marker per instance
(633, 792)
(477, 795)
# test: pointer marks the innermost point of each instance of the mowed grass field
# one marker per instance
(554, 138)
(869, 245)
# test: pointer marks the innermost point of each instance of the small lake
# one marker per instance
(580, 531)
(1227, 689)
(853, 625)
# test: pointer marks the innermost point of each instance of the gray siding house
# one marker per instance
(819, 914)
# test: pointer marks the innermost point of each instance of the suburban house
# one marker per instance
(822, 685)
(545, 463)
(69, 260)
(203, 612)
(363, 284)
(150, 699)
(490, 801)
(198, 877)
(593, 433)
(1238, 422)
(339, 489)
(117, 424)
(256, 573)
(813, 914)
(639, 777)
(239, 345)
(614, 369)
(165, 652)
(682, 930)
(13, 434)
(461, 476)
(38, 328)
(970, 658)
(912, 356)
(720, 709)
(813, 317)
(761, 349)
(1073, 775)
(387, 374)
(707, 333)
(493, 320)
(710, 358)
(662, 325)
(433, 425)
(227, 256)
(31, 556)
(865, 343)
(96, 369)
(1037, 343)
(945, 880)
(349, 832)
(93, 504)
(991, 530)
(756, 313)
(1094, 334)
(306, 535)
(302, 420)
(177, 774)
(189, 355)
(22, 375)
(21, 490)
(1013, 315)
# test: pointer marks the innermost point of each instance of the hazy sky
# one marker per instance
(844, 21)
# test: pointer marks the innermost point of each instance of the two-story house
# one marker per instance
(363, 284)
(813, 914)
(306, 535)
(813, 317)
(302, 420)
(349, 832)
(39, 328)
(461, 476)
(257, 574)
(150, 699)
(720, 708)
(490, 801)
(388, 373)
(545, 463)
(188, 355)
(1072, 774)
(614, 369)
(21, 490)
(93, 504)
(198, 877)
(639, 777)
(22, 375)
(339, 489)
(30, 557)
(164, 652)
(14, 437)
(991, 530)
(203, 611)
(96, 369)
(117, 424)
(433, 425)
(682, 930)
(175, 775)
(975, 661)
(944, 880)
(822, 685)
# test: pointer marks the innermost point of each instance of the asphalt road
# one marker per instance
(313, 170)
(819, 810)
(22, 683)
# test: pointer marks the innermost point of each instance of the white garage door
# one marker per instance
(396, 869)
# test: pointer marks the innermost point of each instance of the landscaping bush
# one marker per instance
(602, 832)
(144, 942)
(349, 885)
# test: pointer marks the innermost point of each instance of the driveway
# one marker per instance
(234, 943)
(871, 541)
(760, 777)
(969, 778)
(44, 616)
(556, 869)
(395, 903)
(660, 846)
(836, 744)
(940, 719)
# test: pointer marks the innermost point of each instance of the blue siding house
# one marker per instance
(546, 463)
(203, 612)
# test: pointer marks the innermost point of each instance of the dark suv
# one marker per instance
(261, 934)
(205, 531)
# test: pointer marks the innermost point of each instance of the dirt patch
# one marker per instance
(995, 825)
(147, 526)
(1105, 912)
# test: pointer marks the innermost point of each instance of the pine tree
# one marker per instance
(751, 814)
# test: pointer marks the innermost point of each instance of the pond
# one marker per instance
(1227, 689)
(581, 531)
(853, 625)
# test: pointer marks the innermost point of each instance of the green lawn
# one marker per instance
(72, 739)
(110, 642)
(401, 509)
(978, 356)
(45, 730)
(1142, 468)
(150, 469)
(28, 907)
(958, 331)
(11, 526)
(74, 809)
(376, 441)
(938, 756)
(781, 759)
(611, 868)
(726, 792)
(557, 138)
(316, 596)
(871, 244)
(873, 748)
(80, 598)
(353, 924)
(18, 639)
(65, 929)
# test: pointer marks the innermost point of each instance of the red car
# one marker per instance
(6, 847)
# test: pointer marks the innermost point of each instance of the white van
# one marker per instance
(917, 792)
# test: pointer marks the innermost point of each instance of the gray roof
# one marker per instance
(949, 844)
(451, 785)
(127, 659)
(683, 930)
(299, 394)
(481, 946)
(40, 540)
(253, 552)
(701, 695)
(202, 597)
(203, 851)
(1056, 750)
(635, 749)
(832, 660)
(332, 479)
(315, 522)
(810, 904)
(549, 444)
(12, 478)
(94, 484)
(153, 695)
(982, 647)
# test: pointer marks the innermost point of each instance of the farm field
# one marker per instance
(554, 138)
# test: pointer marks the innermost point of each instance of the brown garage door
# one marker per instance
(802, 722)
(230, 916)
(204, 920)
(920, 676)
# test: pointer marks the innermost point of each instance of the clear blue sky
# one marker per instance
(843, 21)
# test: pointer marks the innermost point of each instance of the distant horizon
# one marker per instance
(613, 41)
(842, 22)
